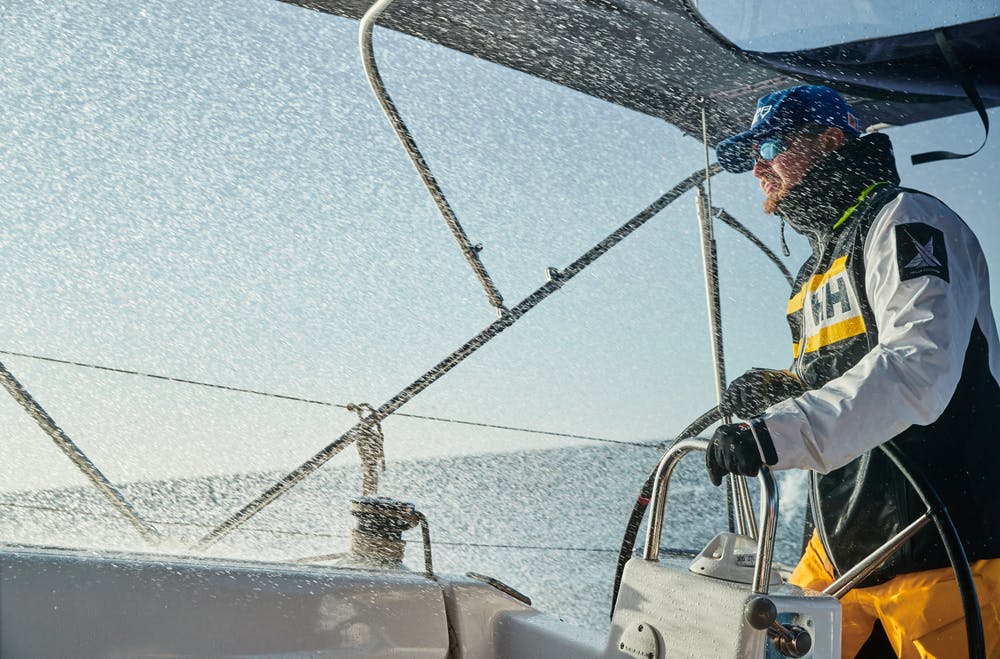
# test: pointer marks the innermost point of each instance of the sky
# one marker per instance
(210, 193)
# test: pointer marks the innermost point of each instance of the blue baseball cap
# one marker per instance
(782, 111)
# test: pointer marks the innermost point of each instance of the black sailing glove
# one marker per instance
(736, 448)
(758, 389)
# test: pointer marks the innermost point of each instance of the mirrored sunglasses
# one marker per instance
(771, 148)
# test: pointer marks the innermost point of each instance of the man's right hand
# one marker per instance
(739, 448)
(732, 450)
(758, 389)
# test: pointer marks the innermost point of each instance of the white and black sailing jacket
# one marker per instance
(894, 337)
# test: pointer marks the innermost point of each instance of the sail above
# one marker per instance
(661, 58)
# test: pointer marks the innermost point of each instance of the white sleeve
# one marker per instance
(924, 323)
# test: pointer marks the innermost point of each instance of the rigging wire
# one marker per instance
(313, 401)
(69, 448)
(723, 215)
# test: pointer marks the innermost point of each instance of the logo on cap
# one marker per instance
(759, 115)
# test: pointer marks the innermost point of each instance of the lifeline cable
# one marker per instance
(313, 401)
(312, 534)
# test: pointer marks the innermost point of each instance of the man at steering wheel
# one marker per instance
(893, 339)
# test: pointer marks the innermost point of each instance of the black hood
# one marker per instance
(814, 205)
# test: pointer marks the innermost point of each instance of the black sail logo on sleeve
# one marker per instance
(920, 251)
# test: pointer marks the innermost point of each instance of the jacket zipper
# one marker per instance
(817, 508)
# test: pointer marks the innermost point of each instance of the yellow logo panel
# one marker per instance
(830, 308)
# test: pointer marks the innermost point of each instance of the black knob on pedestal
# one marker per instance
(760, 613)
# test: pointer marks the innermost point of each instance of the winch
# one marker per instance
(377, 538)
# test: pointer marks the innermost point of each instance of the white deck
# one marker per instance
(66, 603)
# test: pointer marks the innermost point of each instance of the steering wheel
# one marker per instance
(936, 510)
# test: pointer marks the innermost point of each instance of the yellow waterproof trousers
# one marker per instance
(921, 611)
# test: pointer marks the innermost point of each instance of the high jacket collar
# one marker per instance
(833, 184)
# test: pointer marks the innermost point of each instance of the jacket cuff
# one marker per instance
(765, 444)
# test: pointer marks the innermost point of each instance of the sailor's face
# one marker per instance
(782, 173)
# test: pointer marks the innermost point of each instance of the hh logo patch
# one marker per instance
(920, 251)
